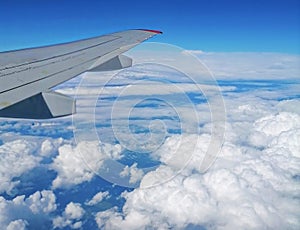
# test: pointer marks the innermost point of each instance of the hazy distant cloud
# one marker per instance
(194, 52)
(292, 106)
(236, 65)
(278, 66)
(251, 65)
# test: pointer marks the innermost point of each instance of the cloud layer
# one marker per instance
(51, 180)
(248, 186)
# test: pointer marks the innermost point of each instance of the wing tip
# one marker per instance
(152, 31)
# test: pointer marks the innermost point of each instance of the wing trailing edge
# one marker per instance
(116, 63)
(44, 105)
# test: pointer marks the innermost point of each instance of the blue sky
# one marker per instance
(251, 26)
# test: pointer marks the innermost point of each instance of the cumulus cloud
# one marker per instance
(49, 147)
(97, 198)
(272, 128)
(70, 217)
(22, 212)
(43, 201)
(16, 157)
(133, 173)
(17, 225)
(274, 125)
(111, 219)
(80, 163)
(247, 187)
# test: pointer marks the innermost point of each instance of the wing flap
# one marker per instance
(44, 105)
(116, 63)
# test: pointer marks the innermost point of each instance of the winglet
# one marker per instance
(152, 31)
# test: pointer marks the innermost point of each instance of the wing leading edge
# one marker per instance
(27, 76)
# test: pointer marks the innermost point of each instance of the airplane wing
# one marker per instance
(27, 76)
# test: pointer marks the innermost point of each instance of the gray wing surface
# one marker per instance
(27, 76)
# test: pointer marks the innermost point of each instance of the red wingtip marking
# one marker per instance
(153, 31)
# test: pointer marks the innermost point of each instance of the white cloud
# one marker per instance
(277, 130)
(21, 212)
(274, 125)
(80, 163)
(70, 165)
(289, 140)
(97, 198)
(16, 158)
(74, 211)
(111, 219)
(71, 217)
(47, 148)
(43, 201)
(17, 225)
(247, 187)
(133, 172)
